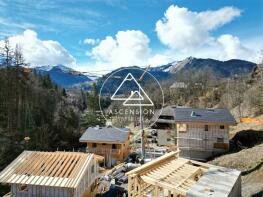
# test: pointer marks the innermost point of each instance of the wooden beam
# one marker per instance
(149, 165)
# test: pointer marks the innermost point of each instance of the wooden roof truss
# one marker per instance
(58, 169)
(164, 177)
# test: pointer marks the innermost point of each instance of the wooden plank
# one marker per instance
(160, 175)
(19, 178)
(156, 191)
(200, 164)
(72, 165)
(130, 183)
(23, 166)
(30, 169)
(75, 167)
(198, 170)
(47, 162)
(59, 172)
(38, 167)
(8, 171)
(68, 163)
(153, 163)
(155, 182)
(56, 168)
(165, 171)
(52, 162)
(34, 164)
(83, 169)
(78, 167)
(51, 166)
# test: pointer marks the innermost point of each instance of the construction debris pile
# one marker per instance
(115, 182)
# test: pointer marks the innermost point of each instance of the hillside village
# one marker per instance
(118, 98)
(189, 151)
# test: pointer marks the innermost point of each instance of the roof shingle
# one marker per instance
(105, 134)
(204, 115)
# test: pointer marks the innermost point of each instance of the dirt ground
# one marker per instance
(252, 184)
(246, 126)
(249, 160)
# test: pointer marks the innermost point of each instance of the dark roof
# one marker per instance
(105, 134)
(203, 115)
(166, 115)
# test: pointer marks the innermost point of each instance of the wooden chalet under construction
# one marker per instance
(178, 177)
(202, 133)
(51, 174)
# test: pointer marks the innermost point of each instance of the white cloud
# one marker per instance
(183, 29)
(127, 48)
(233, 49)
(160, 59)
(41, 52)
(91, 41)
(184, 32)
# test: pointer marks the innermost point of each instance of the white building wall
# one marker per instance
(88, 179)
(195, 140)
(37, 191)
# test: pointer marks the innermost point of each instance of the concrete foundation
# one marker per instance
(200, 155)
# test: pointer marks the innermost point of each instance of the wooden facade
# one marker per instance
(110, 142)
(202, 132)
(201, 140)
(51, 174)
(111, 151)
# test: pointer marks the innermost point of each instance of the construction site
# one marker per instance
(174, 162)
(126, 98)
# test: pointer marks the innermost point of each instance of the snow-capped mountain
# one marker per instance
(65, 76)
(58, 66)
(163, 68)
(172, 70)
(44, 68)
(69, 78)
(220, 68)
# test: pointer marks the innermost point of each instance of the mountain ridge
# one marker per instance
(70, 78)
(64, 76)
(223, 68)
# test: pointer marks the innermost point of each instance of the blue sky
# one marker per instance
(106, 34)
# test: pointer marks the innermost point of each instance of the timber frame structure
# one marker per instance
(166, 176)
(67, 174)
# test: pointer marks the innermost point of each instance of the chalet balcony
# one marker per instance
(103, 151)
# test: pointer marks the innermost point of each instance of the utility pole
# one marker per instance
(141, 117)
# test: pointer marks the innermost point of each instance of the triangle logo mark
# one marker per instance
(135, 95)
(134, 100)
(128, 79)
